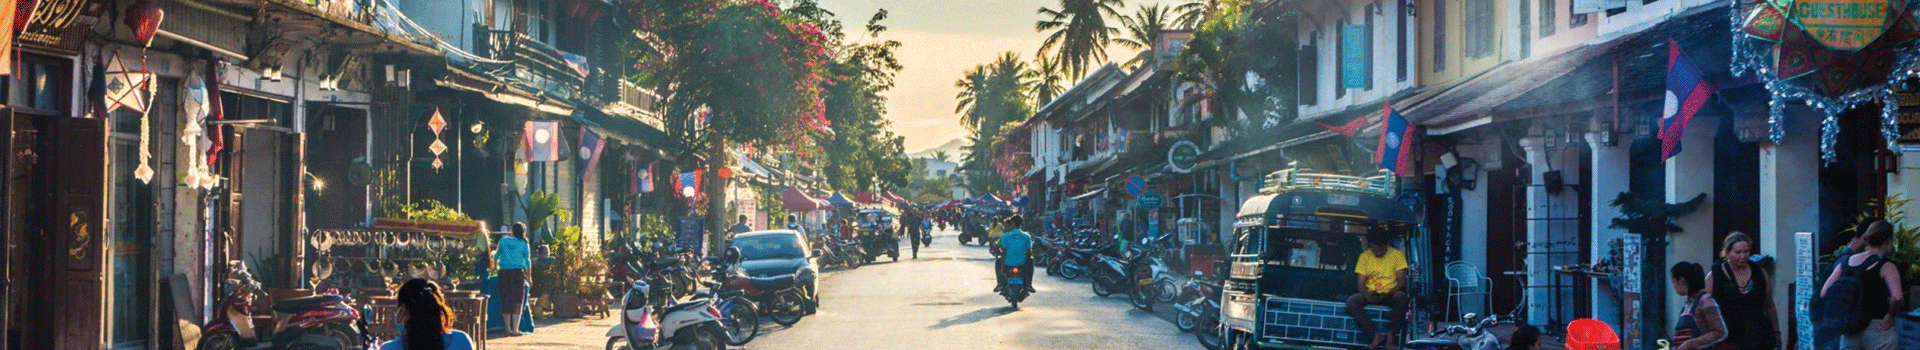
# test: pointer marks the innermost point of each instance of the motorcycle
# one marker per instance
(1131, 276)
(1017, 287)
(691, 325)
(1199, 310)
(1073, 261)
(325, 321)
(779, 297)
(738, 315)
(1459, 337)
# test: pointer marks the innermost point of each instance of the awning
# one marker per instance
(1089, 194)
(839, 200)
(625, 129)
(794, 200)
(1478, 96)
(868, 198)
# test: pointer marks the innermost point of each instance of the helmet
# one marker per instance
(732, 255)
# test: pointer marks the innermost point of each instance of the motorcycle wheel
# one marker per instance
(701, 337)
(1185, 321)
(1101, 289)
(786, 309)
(345, 336)
(219, 341)
(1071, 269)
(1142, 298)
(1167, 292)
(742, 322)
(1209, 335)
(617, 344)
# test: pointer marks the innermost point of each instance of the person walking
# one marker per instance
(425, 321)
(1745, 293)
(1878, 290)
(512, 257)
(912, 223)
(1700, 325)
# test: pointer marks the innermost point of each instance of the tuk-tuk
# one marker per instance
(1291, 264)
(878, 232)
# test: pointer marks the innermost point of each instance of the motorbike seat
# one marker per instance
(773, 282)
(665, 262)
(696, 303)
(306, 303)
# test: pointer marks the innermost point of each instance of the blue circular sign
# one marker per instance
(1136, 185)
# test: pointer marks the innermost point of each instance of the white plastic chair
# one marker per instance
(1466, 281)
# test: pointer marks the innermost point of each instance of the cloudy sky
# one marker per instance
(940, 39)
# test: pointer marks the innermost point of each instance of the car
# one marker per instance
(778, 252)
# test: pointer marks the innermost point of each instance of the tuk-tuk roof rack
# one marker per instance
(1296, 177)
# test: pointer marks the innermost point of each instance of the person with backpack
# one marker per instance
(1862, 295)
(1744, 291)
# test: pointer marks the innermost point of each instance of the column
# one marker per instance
(1606, 181)
(1689, 174)
(1789, 204)
(1550, 235)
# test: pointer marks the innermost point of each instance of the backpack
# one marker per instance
(1843, 310)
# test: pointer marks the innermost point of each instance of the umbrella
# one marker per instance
(894, 197)
(839, 200)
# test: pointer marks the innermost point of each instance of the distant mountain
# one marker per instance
(955, 149)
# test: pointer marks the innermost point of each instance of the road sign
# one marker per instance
(1136, 185)
(1151, 200)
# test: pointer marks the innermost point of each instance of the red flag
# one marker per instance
(1687, 92)
(218, 133)
(1349, 129)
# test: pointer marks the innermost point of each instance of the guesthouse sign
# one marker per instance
(1847, 25)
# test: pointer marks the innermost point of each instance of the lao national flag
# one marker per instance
(590, 146)
(1396, 142)
(643, 179)
(542, 141)
(689, 184)
(1686, 93)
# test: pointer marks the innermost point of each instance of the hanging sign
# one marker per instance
(1152, 200)
(1355, 66)
(61, 24)
(1843, 24)
(1183, 156)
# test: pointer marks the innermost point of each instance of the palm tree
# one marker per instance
(973, 93)
(1143, 30)
(1080, 32)
(1049, 80)
(1191, 14)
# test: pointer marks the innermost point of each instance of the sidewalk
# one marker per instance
(579, 333)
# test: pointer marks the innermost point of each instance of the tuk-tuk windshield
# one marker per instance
(1313, 242)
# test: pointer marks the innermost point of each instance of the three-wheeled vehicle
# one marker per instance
(879, 233)
(1291, 264)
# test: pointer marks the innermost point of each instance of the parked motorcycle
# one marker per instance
(739, 316)
(690, 325)
(1459, 337)
(325, 321)
(778, 297)
(1073, 261)
(1131, 276)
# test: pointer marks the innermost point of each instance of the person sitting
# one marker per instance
(426, 323)
(1013, 247)
(1383, 275)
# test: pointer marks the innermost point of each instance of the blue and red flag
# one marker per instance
(1396, 141)
(1687, 92)
(590, 146)
(643, 179)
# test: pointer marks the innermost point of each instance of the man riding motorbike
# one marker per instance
(1013, 249)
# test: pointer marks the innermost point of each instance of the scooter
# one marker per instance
(1072, 262)
(690, 325)
(1131, 276)
(325, 321)
(1458, 337)
(1017, 287)
(1199, 306)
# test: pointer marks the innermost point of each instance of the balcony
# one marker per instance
(531, 64)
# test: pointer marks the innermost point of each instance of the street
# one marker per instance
(942, 300)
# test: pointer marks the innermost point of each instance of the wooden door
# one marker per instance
(77, 153)
(1506, 224)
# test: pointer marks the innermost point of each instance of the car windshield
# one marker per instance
(769, 247)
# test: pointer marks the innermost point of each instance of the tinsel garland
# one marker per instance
(1754, 56)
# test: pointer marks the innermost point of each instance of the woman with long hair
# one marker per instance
(1878, 290)
(512, 257)
(1745, 293)
(426, 323)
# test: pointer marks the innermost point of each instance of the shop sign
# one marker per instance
(1843, 24)
(61, 23)
(1354, 63)
(1909, 115)
(1152, 200)
(691, 233)
(1183, 156)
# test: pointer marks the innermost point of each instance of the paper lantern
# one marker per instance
(144, 18)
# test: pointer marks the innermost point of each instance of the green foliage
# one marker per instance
(542, 206)
(423, 210)
(575, 269)
(1651, 216)
(1906, 235)
(270, 271)
(1079, 33)
(994, 97)
(1143, 30)
(863, 155)
(754, 66)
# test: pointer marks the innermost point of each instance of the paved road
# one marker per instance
(943, 300)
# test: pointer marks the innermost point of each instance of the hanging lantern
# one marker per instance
(144, 18)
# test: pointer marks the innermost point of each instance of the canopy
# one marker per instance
(794, 200)
(868, 198)
(839, 200)
(1020, 202)
(894, 197)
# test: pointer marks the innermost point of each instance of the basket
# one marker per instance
(1591, 334)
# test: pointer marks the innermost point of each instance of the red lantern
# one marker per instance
(726, 173)
(144, 18)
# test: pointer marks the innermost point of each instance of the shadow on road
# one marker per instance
(971, 317)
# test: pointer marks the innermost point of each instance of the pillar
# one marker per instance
(1607, 180)
(1789, 204)
(1689, 174)
(1551, 225)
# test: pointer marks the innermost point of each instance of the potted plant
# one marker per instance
(1653, 218)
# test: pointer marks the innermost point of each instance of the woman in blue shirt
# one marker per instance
(426, 323)
(512, 258)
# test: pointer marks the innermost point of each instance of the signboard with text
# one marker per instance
(1354, 63)
(1843, 24)
(60, 24)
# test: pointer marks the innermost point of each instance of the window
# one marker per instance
(1577, 19)
(1400, 49)
(1439, 35)
(540, 20)
(1339, 48)
(40, 85)
(1479, 21)
(1547, 20)
(1367, 46)
(1309, 65)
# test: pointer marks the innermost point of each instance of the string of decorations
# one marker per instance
(1831, 74)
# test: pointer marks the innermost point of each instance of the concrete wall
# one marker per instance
(1324, 33)
(1457, 66)
(1565, 34)
(1640, 16)
(450, 20)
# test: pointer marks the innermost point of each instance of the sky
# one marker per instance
(939, 40)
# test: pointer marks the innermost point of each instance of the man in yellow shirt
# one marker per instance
(1383, 276)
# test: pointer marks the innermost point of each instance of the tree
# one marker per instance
(1191, 14)
(1142, 31)
(1049, 80)
(863, 155)
(1079, 33)
(731, 72)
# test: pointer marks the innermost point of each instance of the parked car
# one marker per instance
(774, 253)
